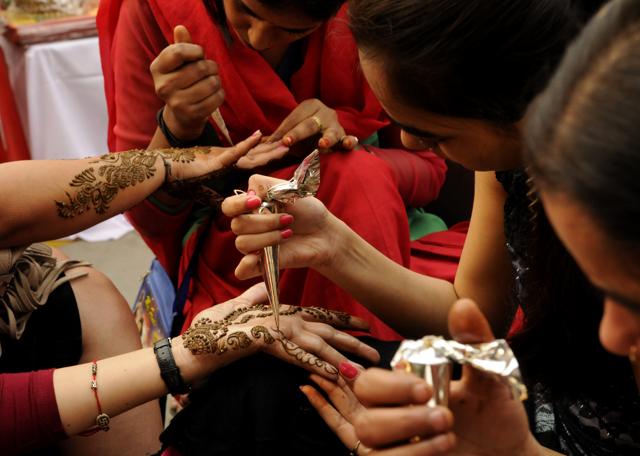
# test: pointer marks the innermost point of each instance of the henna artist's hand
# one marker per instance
(307, 336)
(340, 413)
(189, 85)
(487, 419)
(309, 229)
(310, 118)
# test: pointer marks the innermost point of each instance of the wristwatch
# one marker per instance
(169, 371)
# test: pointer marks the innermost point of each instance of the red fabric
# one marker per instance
(12, 133)
(357, 187)
(438, 254)
(420, 175)
(28, 412)
(255, 96)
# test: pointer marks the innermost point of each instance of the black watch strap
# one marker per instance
(169, 371)
(208, 137)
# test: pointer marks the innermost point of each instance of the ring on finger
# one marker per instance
(318, 123)
(354, 450)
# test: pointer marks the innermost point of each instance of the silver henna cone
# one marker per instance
(305, 182)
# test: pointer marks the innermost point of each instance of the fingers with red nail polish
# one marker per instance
(253, 202)
(348, 370)
(286, 234)
(286, 219)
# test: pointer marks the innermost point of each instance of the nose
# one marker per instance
(619, 328)
(260, 36)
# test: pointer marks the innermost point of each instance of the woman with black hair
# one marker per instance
(457, 76)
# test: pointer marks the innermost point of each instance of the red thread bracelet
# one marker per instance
(102, 420)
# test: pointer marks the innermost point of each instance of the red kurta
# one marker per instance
(359, 188)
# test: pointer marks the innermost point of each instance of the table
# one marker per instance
(60, 96)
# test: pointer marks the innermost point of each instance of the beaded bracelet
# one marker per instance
(102, 420)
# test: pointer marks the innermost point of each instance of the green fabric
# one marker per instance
(200, 216)
(422, 223)
(173, 210)
(372, 140)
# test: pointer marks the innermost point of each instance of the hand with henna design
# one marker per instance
(307, 336)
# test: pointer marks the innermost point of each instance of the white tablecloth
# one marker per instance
(60, 96)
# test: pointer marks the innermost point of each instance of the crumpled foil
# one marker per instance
(305, 182)
(432, 358)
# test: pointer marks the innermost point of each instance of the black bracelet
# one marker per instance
(207, 138)
(169, 372)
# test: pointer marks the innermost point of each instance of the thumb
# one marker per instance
(181, 34)
(467, 324)
(257, 294)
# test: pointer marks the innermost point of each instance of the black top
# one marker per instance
(583, 400)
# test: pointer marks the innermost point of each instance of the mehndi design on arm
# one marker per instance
(96, 187)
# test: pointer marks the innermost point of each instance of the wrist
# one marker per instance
(339, 243)
(181, 130)
(193, 367)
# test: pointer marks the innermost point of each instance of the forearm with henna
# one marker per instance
(98, 186)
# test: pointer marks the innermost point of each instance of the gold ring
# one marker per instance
(415, 439)
(318, 123)
(354, 450)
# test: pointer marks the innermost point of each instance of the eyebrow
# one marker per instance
(416, 131)
(252, 13)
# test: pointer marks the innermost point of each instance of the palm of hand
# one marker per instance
(488, 420)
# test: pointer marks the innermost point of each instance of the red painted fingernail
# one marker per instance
(251, 193)
(286, 234)
(288, 140)
(323, 142)
(253, 202)
(286, 219)
(348, 371)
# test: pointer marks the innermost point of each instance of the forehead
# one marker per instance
(605, 262)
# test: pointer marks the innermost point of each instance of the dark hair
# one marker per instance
(583, 132)
(582, 138)
(319, 10)
(483, 59)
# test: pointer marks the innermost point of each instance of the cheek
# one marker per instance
(619, 329)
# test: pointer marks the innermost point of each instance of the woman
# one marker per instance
(288, 68)
(38, 408)
(582, 152)
(421, 59)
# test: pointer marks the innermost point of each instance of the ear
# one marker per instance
(467, 324)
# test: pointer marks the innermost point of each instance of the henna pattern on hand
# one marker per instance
(328, 316)
(98, 186)
(212, 337)
(302, 356)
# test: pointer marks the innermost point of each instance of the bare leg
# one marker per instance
(108, 329)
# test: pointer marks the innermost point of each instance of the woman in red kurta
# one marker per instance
(366, 191)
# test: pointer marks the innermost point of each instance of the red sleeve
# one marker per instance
(162, 232)
(28, 411)
(137, 42)
(420, 175)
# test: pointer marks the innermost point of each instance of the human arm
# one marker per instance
(131, 379)
(46, 199)
(419, 303)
